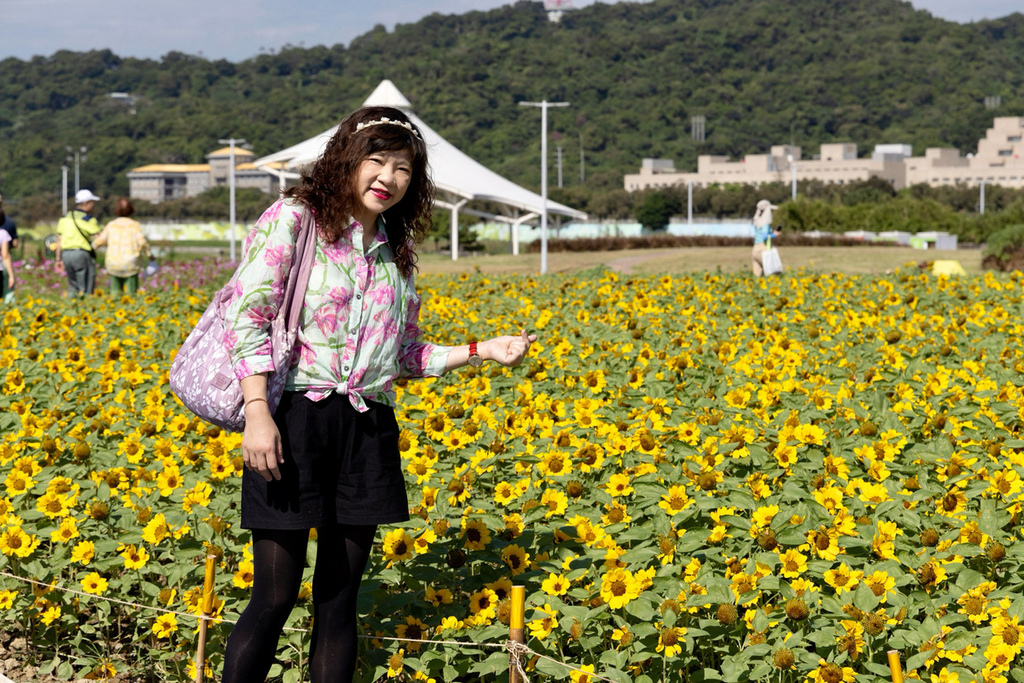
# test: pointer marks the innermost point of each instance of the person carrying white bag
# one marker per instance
(764, 260)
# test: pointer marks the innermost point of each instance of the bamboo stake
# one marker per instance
(516, 631)
(894, 666)
(207, 606)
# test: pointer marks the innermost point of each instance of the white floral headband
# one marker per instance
(394, 122)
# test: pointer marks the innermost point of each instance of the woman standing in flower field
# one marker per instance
(763, 233)
(329, 458)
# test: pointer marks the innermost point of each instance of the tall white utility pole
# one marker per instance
(981, 197)
(689, 202)
(64, 190)
(558, 153)
(77, 156)
(78, 184)
(231, 188)
(582, 174)
(792, 165)
(544, 104)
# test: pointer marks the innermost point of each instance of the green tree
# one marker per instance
(440, 229)
(634, 72)
(655, 210)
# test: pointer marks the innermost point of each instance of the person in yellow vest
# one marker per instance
(126, 247)
(75, 255)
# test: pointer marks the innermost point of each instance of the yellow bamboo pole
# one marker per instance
(516, 630)
(894, 666)
(207, 607)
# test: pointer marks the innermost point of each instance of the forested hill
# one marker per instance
(761, 71)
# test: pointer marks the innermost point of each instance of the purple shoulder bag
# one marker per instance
(201, 373)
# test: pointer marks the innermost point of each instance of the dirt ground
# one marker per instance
(13, 654)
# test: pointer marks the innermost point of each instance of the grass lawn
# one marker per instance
(692, 259)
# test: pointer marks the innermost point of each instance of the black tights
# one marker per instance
(278, 560)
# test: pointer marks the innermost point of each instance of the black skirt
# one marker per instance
(340, 466)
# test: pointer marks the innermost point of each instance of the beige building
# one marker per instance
(160, 182)
(999, 161)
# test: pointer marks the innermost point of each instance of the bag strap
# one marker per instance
(302, 266)
(79, 229)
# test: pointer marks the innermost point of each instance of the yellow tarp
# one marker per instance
(947, 268)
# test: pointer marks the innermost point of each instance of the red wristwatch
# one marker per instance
(474, 358)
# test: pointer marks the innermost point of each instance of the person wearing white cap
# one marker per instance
(75, 254)
(763, 233)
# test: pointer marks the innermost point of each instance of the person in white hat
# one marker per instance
(763, 232)
(75, 254)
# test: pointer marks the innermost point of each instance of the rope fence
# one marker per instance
(519, 653)
(72, 591)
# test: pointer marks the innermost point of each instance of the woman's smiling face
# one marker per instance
(381, 182)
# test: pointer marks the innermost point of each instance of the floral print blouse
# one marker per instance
(126, 246)
(359, 327)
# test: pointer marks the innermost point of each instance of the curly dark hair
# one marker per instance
(328, 186)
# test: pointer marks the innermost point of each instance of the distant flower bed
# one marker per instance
(696, 478)
(39, 278)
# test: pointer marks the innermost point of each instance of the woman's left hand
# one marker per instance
(508, 350)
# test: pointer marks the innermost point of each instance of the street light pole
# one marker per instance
(689, 202)
(76, 156)
(64, 190)
(544, 104)
(558, 151)
(583, 177)
(792, 165)
(231, 189)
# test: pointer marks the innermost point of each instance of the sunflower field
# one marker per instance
(697, 478)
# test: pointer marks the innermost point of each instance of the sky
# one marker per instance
(239, 29)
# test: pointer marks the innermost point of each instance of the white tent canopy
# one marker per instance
(458, 178)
